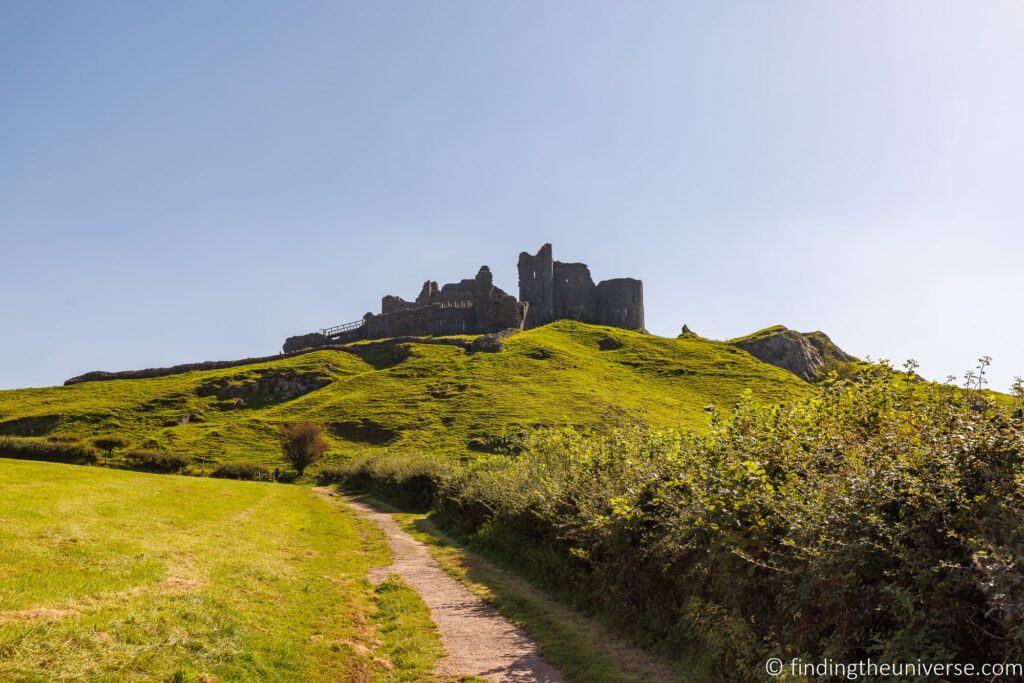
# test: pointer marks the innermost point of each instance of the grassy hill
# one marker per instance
(417, 396)
(112, 575)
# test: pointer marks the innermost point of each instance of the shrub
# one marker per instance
(31, 449)
(163, 462)
(331, 474)
(63, 437)
(876, 519)
(109, 443)
(408, 480)
(241, 470)
(287, 476)
(302, 444)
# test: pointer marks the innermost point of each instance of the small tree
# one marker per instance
(302, 444)
(107, 444)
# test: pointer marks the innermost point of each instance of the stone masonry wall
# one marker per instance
(548, 290)
(556, 291)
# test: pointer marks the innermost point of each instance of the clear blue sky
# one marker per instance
(188, 181)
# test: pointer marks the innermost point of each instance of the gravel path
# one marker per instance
(480, 641)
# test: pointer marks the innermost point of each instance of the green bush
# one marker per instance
(331, 474)
(242, 470)
(879, 518)
(408, 480)
(50, 451)
(163, 462)
(62, 437)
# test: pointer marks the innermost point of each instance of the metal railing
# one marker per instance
(339, 329)
(356, 324)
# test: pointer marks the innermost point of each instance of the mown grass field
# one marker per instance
(110, 575)
(440, 399)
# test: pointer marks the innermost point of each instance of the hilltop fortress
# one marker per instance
(548, 290)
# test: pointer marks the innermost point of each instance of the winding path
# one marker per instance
(480, 642)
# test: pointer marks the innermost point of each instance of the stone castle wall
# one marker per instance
(557, 291)
(548, 290)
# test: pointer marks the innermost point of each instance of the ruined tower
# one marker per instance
(548, 290)
(566, 291)
(536, 286)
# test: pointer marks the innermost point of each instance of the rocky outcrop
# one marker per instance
(304, 341)
(491, 343)
(272, 386)
(808, 355)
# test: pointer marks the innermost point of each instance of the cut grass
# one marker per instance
(440, 399)
(111, 575)
(408, 635)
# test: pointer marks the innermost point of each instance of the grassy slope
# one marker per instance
(439, 399)
(114, 575)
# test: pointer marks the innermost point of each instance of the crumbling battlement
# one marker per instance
(466, 307)
(548, 290)
(557, 291)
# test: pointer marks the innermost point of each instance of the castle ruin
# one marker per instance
(548, 290)
(565, 291)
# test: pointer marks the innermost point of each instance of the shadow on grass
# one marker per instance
(581, 647)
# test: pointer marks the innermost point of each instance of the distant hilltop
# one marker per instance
(549, 290)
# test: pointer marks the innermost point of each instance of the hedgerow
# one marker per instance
(247, 471)
(52, 451)
(156, 461)
(410, 480)
(879, 518)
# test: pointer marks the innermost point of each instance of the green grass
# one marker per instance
(110, 575)
(408, 635)
(581, 648)
(440, 399)
(760, 334)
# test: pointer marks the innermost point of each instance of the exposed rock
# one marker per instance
(383, 355)
(609, 344)
(488, 343)
(687, 332)
(806, 354)
(272, 386)
(304, 341)
(492, 343)
(185, 419)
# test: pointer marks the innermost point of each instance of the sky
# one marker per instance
(196, 181)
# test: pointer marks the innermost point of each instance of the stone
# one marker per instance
(807, 355)
(548, 290)
(488, 343)
(566, 291)
(304, 341)
(272, 386)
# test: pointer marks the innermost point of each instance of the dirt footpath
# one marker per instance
(480, 642)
